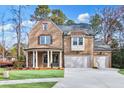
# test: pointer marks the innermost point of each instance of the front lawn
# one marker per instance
(31, 74)
(30, 85)
(121, 71)
(1, 71)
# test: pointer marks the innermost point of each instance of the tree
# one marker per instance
(110, 22)
(13, 51)
(70, 22)
(2, 48)
(58, 16)
(114, 43)
(3, 36)
(95, 22)
(17, 21)
(41, 12)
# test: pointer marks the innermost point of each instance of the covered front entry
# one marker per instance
(55, 59)
(48, 59)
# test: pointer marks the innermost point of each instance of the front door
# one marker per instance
(56, 60)
(44, 59)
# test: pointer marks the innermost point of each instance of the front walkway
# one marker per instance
(5, 82)
(91, 78)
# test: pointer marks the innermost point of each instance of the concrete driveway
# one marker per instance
(91, 78)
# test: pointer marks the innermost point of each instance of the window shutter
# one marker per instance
(51, 39)
(38, 40)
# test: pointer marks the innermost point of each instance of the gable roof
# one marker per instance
(39, 21)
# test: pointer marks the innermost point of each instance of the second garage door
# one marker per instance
(101, 61)
(77, 61)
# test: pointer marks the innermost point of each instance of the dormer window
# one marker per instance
(45, 26)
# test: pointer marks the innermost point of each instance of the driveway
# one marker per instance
(91, 78)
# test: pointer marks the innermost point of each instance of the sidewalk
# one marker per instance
(5, 82)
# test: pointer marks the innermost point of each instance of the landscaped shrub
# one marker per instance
(118, 58)
(20, 62)
(17, 64)
(21, 58)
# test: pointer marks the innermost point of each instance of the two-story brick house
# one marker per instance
(64, 46)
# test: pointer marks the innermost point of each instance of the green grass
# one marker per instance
(30, 85)
(31, 74)
(121, 71)
(1, 71)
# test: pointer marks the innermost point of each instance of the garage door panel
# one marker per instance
(77, 61)
(102, 61)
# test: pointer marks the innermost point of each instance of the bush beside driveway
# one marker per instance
(121, 71)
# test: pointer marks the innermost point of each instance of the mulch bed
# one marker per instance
(39, 69)
(5, 62)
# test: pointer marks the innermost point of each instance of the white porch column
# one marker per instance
(36, 59)
(60, 59)
(48, 59)
(33, 59)
(26, 58)
(51, 57)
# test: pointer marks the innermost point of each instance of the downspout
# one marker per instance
(92, 56)
(63, 49)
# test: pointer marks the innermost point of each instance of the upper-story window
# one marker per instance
(45, 40)
(45, 26)
(77, 43)
(80, 40)
(77, 40)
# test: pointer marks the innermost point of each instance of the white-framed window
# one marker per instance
(45, 26)
(77, 43)
(45, 40)
(77, 40)
(80, 40)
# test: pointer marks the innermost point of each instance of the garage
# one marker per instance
(77, 61)
(101, 61)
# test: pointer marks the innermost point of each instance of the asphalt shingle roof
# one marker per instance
(81, 27)
(101, 46)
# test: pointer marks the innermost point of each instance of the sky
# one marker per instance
(78, 13)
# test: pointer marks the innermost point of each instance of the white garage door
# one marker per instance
(102, 61)
(77, 61)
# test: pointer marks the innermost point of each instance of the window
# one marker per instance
(45, 26)
(77, 40)
(77, 43)
(45, 40)
(80, 41)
